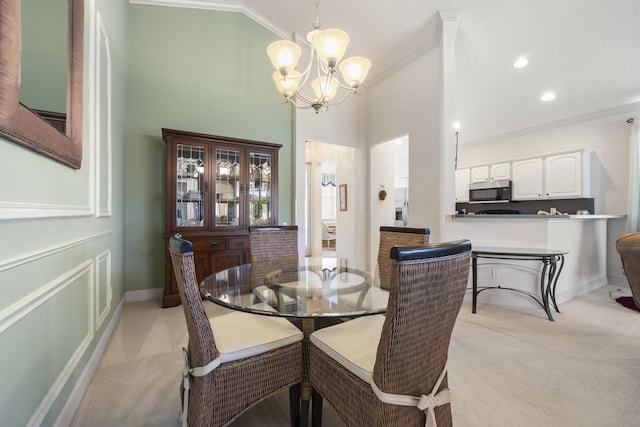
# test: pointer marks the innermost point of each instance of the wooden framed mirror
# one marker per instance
(22, 125)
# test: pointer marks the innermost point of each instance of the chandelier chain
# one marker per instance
(316, 23)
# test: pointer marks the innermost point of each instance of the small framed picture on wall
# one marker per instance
(343, 197)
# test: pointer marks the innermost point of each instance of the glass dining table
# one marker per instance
(310, 292)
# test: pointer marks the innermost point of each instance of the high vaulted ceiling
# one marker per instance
(586, 51)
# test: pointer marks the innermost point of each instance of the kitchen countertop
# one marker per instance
(534, 216)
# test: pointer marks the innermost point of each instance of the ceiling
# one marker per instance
(586, 51)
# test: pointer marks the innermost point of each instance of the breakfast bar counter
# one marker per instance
(584, 237)
(533, 216)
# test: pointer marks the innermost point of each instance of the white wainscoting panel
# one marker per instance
(103, 292)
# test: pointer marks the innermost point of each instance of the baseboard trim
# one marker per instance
(144, 294)
(580, 290)
(73, 402)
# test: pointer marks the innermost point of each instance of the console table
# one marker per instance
(552, 262)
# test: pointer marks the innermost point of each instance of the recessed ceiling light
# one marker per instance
(548, 96)
(521, 62)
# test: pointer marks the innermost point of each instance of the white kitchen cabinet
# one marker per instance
(500, 171)
(567, 175)
(527, 179)
(463, 177)
(480, 173)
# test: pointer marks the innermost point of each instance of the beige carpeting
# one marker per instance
(507, 367)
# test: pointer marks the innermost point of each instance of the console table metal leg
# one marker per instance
(544, 285)
(552, 286)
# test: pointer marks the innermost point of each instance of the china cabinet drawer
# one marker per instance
(210, 245)
(238, 243)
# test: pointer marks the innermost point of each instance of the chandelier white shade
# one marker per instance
(327, 49)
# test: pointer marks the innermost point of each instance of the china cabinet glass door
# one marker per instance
(227, 188)
(189, 185)
(259, 189)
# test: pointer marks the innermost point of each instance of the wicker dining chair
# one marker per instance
(392, 370)
(396, 236)
(233, 360)
(274, 249)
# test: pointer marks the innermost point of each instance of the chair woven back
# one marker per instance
(272, 248)
(428, 285)
(273, 242)
(201, 348)
(396, 236)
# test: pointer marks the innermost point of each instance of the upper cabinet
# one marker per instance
(527, 179)
(491, 172)
(562, 176)
(480, 174)
(500, 171)
(463, 177)
(567, 175)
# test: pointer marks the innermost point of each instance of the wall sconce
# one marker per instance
(382, 194)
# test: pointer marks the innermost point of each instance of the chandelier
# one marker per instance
(327, 48)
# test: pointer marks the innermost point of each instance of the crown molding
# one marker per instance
(632, 108)
(402, 63)
(240, 7)
(220, 6)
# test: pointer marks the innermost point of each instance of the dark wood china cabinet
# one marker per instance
(217, 187)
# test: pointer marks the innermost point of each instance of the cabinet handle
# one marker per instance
(214, 245)
(241, 188)
(239, 244)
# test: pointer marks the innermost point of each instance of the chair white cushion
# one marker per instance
(353, 344)
(239, 335)
(376, 298)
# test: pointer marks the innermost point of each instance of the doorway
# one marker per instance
(390, 176)
(330, 230)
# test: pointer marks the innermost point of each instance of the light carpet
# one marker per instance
(508, 366)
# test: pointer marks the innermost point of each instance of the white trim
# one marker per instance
(105, 258)
(101, 176)
(91, 84)
(585, 288)
(33, 256)
(14, 210)
(25, 305)
(401, 63)
(45, 406)
(621, 109)
(220, 7)
(144, 294)
(75, 398)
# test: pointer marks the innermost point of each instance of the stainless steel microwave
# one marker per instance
(498, 191)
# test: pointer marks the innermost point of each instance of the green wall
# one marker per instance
(66, 263)
(60, 259)
(201, 71)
